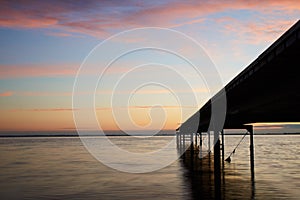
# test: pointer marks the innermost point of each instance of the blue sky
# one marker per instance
(43, 44)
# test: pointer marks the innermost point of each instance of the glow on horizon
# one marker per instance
(47, 119)
(42, 49)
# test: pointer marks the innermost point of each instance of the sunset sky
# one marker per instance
(43, 44)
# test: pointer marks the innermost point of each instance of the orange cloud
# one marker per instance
(43, 93)
(99, 109)
(6, 94)
(100, 92)
(53, 70)
(42, 110)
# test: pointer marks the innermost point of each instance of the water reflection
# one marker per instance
(200, 175)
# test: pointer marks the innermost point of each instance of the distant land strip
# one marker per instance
(2, 135)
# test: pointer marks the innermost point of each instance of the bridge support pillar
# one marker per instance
(200, 145)
(208, 138)
(250, 129)
(192, 144)
(182, 141)
(217, 165)
(222, 146)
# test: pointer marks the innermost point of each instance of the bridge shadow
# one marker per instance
(199, 175)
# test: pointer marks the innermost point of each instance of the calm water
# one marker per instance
(61, 168)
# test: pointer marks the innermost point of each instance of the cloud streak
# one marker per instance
(255, 33)
(100, 108)
(100, 19)
(100, 92)
(54, 70)
(17, 71)
(6, 94)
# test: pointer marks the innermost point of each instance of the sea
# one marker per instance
(61, 167)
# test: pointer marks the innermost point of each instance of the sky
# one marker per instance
(45, 45)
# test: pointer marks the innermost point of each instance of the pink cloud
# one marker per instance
(99, 19)
(19, 21)
(17, 71)
(167, 14)
(59, 34)
(267, 30)
(6, 94)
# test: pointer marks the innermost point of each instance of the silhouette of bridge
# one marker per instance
(268, 90)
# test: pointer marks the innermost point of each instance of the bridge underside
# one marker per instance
(272, 95)
(267, 91)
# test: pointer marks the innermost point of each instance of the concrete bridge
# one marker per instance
(268, 90)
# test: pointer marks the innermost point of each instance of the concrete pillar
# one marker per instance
(208, 138)
(192, 144)
(217, 165)
(250, 129)
(222, 134)
(180, 142)
(200, 139)
(183, 141)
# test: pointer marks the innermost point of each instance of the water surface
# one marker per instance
(61, 168)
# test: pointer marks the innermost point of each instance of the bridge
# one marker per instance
(266, 91)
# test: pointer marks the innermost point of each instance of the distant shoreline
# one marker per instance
(83, 134)
(116, 134)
